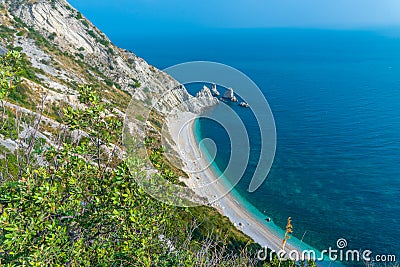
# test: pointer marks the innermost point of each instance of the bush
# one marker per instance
(5, 32)
(10, 72)
(20, 22)
(18, 49)
(85, 23)
(80, 55)
(136, 83)
(109, 82)
(52, 36)
(98, 39)
(79, 16)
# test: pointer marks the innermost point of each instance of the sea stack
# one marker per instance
(244, 104)
(214, 90)
(204, 98)
(230, 95)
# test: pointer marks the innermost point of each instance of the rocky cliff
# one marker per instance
(64, 50)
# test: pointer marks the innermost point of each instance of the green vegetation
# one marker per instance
(110, 51)
(141, 118)
(8, 164)
(11, 70)
(20, 23)
(81, 208)
(84, 207)
(53, 3)
(9, 128)
(27, 70)
(79, 15)
(74, 202)
(85, 23)
(52, 36)
(21, 33)
(98, 39)
(18, 49)
(118, 86)
(20, 95)
(109, 82)
(41, 41)
(6, 33)
(76, 211)
(136, 84)
(80, 55)
(44, 61)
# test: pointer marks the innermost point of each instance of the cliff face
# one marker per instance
(67, 29)
(65, 50)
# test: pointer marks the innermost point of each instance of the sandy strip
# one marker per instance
(200, 175)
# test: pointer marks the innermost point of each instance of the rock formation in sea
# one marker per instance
(205, 98)
(214, 90)
(244, 104)
(230, 95)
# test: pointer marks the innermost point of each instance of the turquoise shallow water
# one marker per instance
(335, 96)
(199, 135)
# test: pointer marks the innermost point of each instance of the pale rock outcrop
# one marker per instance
(3, 50)
(229, 94)
(205, 98)
(214, 90)
(73, 33)
(68, 31)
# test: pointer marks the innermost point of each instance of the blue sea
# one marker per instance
(335, 96)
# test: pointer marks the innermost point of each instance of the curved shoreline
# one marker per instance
(232, 205)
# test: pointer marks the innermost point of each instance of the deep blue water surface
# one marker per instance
(335, 96)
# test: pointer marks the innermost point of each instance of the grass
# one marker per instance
(119, 98)
(6, 33)
(22, 96)
(8, 164)
(20, 22)
(28, 71)
(9, 127)
(41, 41)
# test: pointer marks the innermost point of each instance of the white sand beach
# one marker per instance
(200, 174)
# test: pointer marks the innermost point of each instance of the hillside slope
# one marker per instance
(64, 50)
(67, 65)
